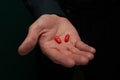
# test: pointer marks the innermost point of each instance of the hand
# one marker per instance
(42, 31)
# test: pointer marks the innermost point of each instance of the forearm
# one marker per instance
(40, 7)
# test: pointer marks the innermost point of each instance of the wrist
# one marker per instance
(57, 15)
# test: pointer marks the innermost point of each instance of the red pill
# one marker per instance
(67, 38)
(57, 39)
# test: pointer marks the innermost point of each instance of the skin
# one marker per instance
(42, 32)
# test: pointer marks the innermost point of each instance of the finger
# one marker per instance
(60, 58)
(76, 51)
(30, 41)
(80, 59)
(84, 47)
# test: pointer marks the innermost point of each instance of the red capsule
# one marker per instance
(67, 38)
(57, 39)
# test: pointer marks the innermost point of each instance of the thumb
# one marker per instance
(30, 41)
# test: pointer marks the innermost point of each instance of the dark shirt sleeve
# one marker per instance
(40, 7)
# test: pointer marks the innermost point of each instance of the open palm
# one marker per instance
(43, 31)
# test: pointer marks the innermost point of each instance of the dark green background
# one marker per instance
(14, 22)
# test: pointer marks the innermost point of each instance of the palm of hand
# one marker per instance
(71, 53)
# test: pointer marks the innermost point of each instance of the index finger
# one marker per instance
(84, 47)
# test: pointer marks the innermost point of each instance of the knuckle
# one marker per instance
(70, 63)
(90, 56)
(93, 50)
(84, 61)
(31, 40)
